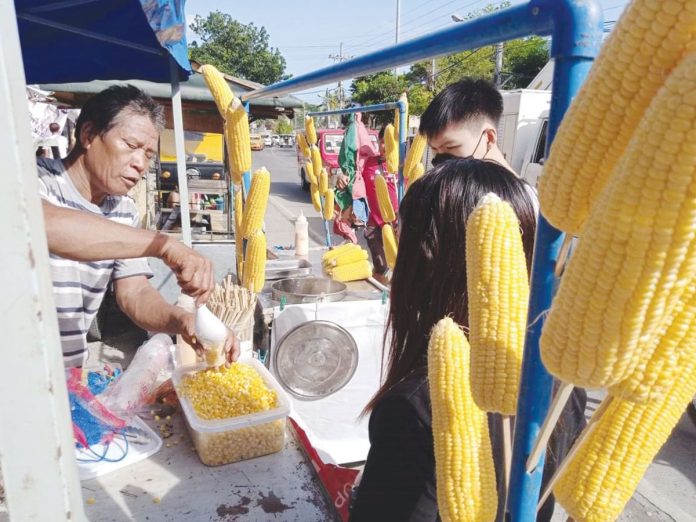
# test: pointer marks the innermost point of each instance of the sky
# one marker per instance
(308, 31)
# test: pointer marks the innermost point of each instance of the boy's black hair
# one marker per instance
(460, 102)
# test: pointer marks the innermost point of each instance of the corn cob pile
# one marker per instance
(386, 209)
(498, 294)
(302, 142)
(465, 474)
(346, 263)
(391, 147)
(310, 131)
(414, 158)
(309, 170)
(391, 245)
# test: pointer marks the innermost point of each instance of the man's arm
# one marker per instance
(140, 301)
(82, 236)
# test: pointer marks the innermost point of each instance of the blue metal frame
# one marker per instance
(576, 29)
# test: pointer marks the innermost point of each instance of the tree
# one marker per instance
(283, 126)
(523, 59)
(236, 49)
(377, 88)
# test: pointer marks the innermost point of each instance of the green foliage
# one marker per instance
(237, 49)
(419, 97)
(283, 126)
(523, 59)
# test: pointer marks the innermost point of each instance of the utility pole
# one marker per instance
(497, 74)
(398, 24)
(338, 58)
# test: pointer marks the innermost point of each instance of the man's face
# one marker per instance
(463, 140)
(117, 160)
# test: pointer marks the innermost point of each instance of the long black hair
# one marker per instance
(429, 280)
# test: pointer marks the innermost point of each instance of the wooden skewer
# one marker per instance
(563, 255)
(507, 449)
(585, 433)
(559, 402)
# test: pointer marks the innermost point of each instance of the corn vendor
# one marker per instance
(93, 229)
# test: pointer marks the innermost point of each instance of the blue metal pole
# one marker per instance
(327, 231)
(576, 38)
(403, 130)
(246, 177)
(365, 108)
(507, 24)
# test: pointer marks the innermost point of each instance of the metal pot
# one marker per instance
(308, 290)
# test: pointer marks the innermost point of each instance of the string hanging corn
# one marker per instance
(464, 470)
(498, 292)
(610, 462)
(323, 182)
(414, 154)
(646, 44)
(316, 161)
(351, 271)
(384, 201)
(310, 131)
(416, 172)
(334, 252)
(638, 252)
(328, 209)
(255, 263)
(346, 257)
(309, 170)
(675, 339)
(390, 246)
(256, 203)
(238, 229)
(302, 142)
(218, 87)
(238, 140)
(316, 196)
(391, 148)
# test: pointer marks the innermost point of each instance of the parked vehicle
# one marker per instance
(286, 140)
(276, 140)
(267, 141)
(256, 142)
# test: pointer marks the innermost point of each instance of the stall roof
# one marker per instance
(84, 40)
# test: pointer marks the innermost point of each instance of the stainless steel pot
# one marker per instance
(308, 290)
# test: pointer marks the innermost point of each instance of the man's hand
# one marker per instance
(342, 181)
(186, 330)
(194, 272)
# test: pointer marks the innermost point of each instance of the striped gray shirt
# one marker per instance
(79, 287)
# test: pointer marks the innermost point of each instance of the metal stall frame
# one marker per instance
(401, 106)
(575, 27)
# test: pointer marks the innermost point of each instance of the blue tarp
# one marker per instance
(83, 40)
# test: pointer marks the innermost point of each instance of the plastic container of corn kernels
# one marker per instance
(223, 441)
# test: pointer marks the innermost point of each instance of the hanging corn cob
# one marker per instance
(302, 142)
(218, 87)
(675, 340)
(391, 148)
(255, 262)
(390, 245)
(317, 164)
(647, 42)
(256, 203)
(331, 254)
(310, 131)
(238, 229)
(309, 170)
(323, 182)
(328, 209)
(351, 271)
(609, 463)
(416, 172)
(238, 140)
(316, 196)
(498, 292)
(385, 205)
(465, 474)
(638, 250)
(414, 154)
(346, 257)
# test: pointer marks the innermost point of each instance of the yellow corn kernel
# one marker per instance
(218, 87)
(498, 292)
(302, 142)
(653, 377)
(328, 205)
(390, 246)
(352, 271)
(346, 257)
(238, 140)
(391, 148)
(316, 161)
(610, 462)
(416, 173)
(309, 171)
(643, 48)
(310, 131)
(414, 155)
(332, 253)
(316, 196)
(255, 263)
(323, 182)
(464, 470)
(256, 203)
(385, 204)
(638, 250)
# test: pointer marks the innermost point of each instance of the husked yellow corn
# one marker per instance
(391, 149)
(255, 263)
(238, 229)
(302, 142)
(316, 161)
(238, 140)
(316, 196)
(464, 469)
(675, 340)
(610, 462)
(256, 203)
(218, 87)
(222, 393)
(323, 182)
(385, 205)
(348, 256)
(414, 154)
(309, 170)
(310, 131)
(416, 172)
(328, 210)
(390, 246)
(498, 293)
(638, 250)
(647, 43)
(331, 254)
(352, 271)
